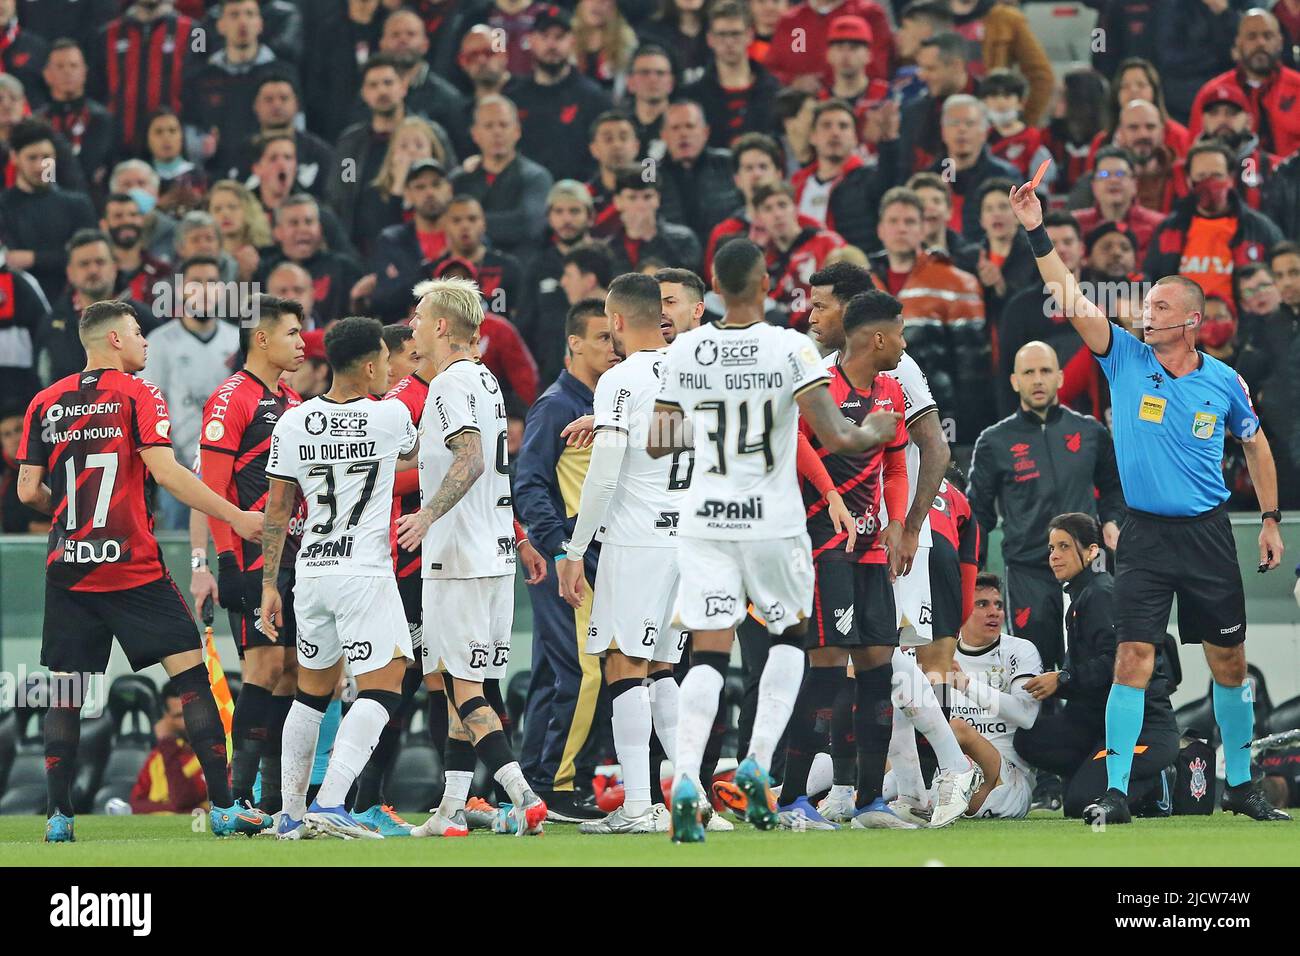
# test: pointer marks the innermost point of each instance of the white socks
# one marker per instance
(821, 775)
(632, 743)
(455, 791)
(511, 776)
(906, 765)
(913, 693)
(297, 752)
(664, 700)
(777, 690)
(697, 707)
(358, 734)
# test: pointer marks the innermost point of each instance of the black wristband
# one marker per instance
(1040, 242)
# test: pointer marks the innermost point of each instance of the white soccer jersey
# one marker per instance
(344, 456)
(644, 510)
(737, 386)
(476, 538)
(1004, 665)
(917, 400)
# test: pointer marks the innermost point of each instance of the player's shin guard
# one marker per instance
(358, 734)
(1124, 709)
(207, 734)
(279, 711)
(872, 724)
(664, 700)
(298, 750)
(248, 734)
(844, 752)
(697, 706)
(458, 761)
(912, 692)
(777, 690)
(1234, 710)
(631, 720)
(62, 734)
(806, 735)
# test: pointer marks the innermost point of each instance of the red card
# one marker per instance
(1038, 176)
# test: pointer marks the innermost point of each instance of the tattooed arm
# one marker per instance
(279, 508)
(467, 465)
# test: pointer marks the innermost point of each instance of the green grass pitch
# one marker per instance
(1218, 840)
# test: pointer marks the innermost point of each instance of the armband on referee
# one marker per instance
(1040, 242)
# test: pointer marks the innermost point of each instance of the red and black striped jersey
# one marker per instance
(142, 66)
(86, 431)
(411, 391)
(238, 420)
(858, 478)
(950, 516)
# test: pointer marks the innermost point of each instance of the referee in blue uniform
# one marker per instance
(1172, 407)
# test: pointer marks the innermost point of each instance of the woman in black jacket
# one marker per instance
(1072, 741)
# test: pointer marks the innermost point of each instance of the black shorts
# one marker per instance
(853, 606)
(247, 628)
(411, 588)
(1193, 558)
(151, 622)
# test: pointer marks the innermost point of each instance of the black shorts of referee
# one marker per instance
(1193, 558)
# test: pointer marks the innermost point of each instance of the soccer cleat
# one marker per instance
(384, 821)
(800, 814)
(687, 823)
(528, 819)
(837, 806)
(1111, 807)
(241, 817)
(1249, 800)
(58, 829)
(953, 790)
(336, 821)
(564, 806)
(730, 796)
(479, 814)
(290, 829)
(879, 815)
(441, 825)
(756, 785)
(620, 821)
(905, 809)
(717, 823)
(504, 821)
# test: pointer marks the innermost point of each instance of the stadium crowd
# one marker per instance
(335, 153)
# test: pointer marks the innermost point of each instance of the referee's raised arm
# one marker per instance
(1090, 322)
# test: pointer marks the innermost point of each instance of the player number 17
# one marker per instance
(107, 462)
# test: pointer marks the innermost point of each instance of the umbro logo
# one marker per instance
(271, 417)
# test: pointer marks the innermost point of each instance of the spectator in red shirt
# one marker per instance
(171, 780)
(1010, 137)
(848, 51)
(1138, 79)
(1114, 193)
(793, 251)
(1227, 119)
(766, 15)
(1270, 88)
(798, 52)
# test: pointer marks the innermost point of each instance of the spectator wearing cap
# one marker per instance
(735, 92)
(613, 146)
(968, 162)
(569, 215)
(556, 103)
(1158, 170)
(941, 65)
(696, 180)
(499, 276)
(1212, 231)
(1011, 138)
(848, 51)
(998, 37)
(1033, 315)
(642, 233)
(797, 54)
(1271, 90)
(650, 85)
(402, 250)
(86, 124)
(37, 217)
(511, 187)
(840, 190)
(1114, 192)
(792, 250)
(1227, 119)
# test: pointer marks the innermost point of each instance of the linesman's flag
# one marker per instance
(220, 689)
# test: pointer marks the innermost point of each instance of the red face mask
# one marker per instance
(1215, 333)
(1212, 193)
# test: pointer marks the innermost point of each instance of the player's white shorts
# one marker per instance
(632, 607)
(912, 601)
(467, 625)
(360, 617)
(719, 578)
(1011, 798)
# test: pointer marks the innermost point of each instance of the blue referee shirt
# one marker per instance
(1169, 430)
